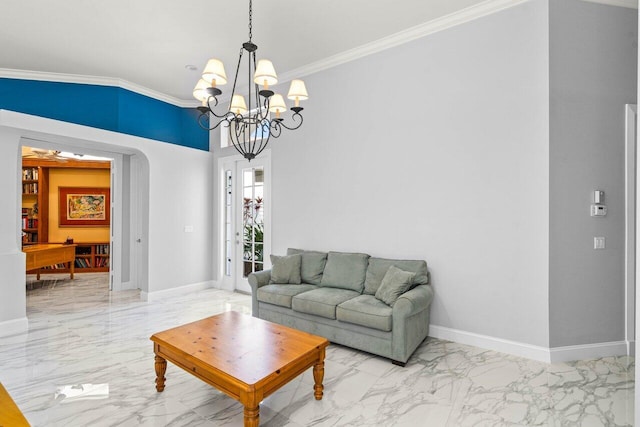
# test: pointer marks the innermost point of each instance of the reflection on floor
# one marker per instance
(87, 361)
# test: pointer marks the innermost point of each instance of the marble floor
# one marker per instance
(87, 361)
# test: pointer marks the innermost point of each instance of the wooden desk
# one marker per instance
(43, 255)
(244, 357)
(10, 414)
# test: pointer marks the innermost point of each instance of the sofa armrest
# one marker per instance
(256, 280)
(259, 278)
(414, 301)
(411, 314)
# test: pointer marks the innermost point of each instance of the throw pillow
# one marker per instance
(395, 283)
(285, 269)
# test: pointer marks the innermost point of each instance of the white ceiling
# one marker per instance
(149, 42)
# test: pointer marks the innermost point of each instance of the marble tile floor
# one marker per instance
(87, 361)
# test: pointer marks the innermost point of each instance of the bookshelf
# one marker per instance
(91, 257)
(35, 203)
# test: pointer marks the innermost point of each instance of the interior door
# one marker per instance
(251, 220)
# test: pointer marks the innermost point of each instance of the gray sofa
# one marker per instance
(334, 295)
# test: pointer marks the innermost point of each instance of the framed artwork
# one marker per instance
(84, 206)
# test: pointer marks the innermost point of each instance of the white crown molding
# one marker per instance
(460, 17)
(630, 4)
(468, 14)
(94, 80)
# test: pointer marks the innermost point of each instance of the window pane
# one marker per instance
(247, 178)
(258, 233)
(259, 176)
(258, 252)
(259, 192)
(247, 194)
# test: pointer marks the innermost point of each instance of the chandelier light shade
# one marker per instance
(251, 125)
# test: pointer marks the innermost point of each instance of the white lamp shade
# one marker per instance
(297, 90)
(200, 91)
(215, 71)
(238, 106)
(265, 72)
(276, 104)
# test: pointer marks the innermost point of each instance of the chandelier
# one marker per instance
(251, 125)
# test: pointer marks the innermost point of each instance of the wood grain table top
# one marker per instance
(10, 414)
(38, 247)
(245, 347)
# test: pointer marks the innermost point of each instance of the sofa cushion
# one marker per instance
(312, 266)
(345, 271)
(395, 283)
(321, 301)
(286, 269)
(281, 294)
(366, 310)
(378, 268)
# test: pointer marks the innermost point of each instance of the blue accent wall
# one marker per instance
(105, 107)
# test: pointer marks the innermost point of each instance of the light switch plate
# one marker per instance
(599, 243)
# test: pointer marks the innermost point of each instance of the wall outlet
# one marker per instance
(599, 243)
(188, 228)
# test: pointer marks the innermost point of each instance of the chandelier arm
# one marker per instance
(295, 116)
(220, 116)
(204, 120)
(274, 128)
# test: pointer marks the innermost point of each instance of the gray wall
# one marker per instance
(436, 150)
(593, 56)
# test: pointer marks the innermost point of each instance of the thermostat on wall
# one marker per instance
(598, 210)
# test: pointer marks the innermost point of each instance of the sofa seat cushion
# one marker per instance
(345, 271)
(322, 301)
(378, 267)
(281, 294)
(366, 310)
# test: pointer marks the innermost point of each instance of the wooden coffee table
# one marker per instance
(245, 357)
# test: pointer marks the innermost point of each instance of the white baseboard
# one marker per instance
(631, 348)
(542, 354)
(588, 351)
(490, 343)
(127, 286)
(14, 326)
(173, 292)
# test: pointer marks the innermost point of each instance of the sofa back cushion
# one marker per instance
(345, 270)
(312, 265)
(378, 267)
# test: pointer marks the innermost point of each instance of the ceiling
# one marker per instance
(149, 42)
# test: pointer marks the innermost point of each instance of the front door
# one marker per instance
(250, 220)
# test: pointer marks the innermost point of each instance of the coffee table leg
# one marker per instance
(318, 376)
(251, 416)
(161, 368)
